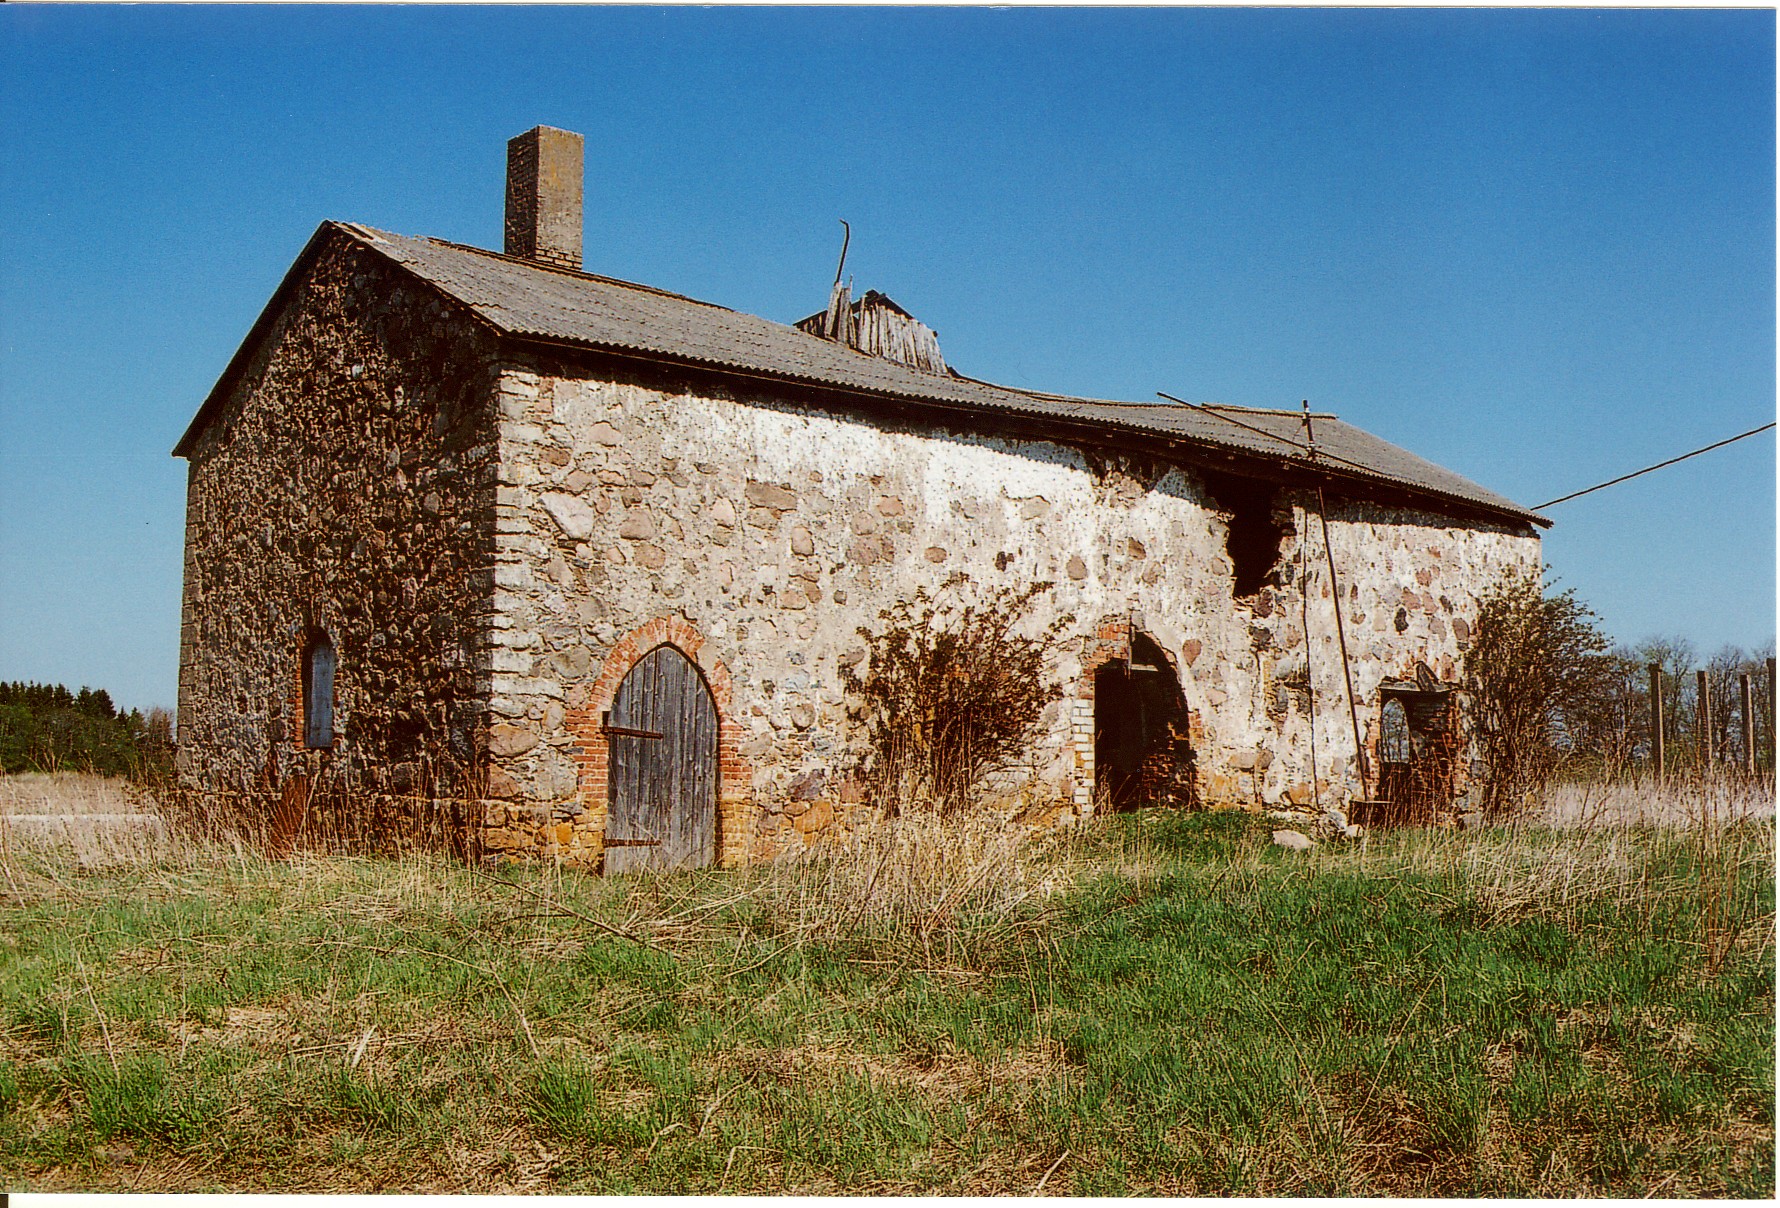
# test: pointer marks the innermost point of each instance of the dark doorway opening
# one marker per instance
(1142, 752)
(661, 736)
(1417, 754)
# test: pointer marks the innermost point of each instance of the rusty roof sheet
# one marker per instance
(526, 299)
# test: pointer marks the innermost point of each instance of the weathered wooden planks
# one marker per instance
(879, 327)
(662, 736)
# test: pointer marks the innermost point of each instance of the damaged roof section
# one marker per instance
(523, 299)
(878, 327)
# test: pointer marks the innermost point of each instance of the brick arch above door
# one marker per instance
(735, 821)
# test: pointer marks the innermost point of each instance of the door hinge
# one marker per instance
(628, 731)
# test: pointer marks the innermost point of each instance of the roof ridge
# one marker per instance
(1287, 411)
(524, 262)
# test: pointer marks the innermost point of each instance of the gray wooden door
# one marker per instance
(661, 736)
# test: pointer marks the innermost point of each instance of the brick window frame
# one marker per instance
(735, 817)
(305, 638)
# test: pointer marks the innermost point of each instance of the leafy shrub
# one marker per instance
(953, 693)
(1536, 658)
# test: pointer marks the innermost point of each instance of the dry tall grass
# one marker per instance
(1590, 846)
(1164, 1004)
(1679, 801)
(92, 821)
(921, 874)
(69, 793)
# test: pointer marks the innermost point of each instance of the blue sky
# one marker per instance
(1535, 246)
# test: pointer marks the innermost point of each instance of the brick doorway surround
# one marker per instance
(1112, 642)
(735, 820)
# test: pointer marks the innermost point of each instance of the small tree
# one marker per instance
(1538, 673)
(953, 693)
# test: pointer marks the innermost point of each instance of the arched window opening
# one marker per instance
(1393, 738)
(318, 693)
(1417, 756)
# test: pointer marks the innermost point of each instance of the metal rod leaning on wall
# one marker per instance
(1334, 582)
(1341, 636)
(1316, 793)
(1347, 674)
(1656, 718)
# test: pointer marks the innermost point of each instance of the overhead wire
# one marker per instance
(1659, 465)
(1313, 454)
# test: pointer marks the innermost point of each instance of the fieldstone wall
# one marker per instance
(491, 541)
(347, 488)
(765, 534)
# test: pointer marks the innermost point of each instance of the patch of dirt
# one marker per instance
(942, 1076)
(70, 793)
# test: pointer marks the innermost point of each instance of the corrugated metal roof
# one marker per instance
(526, 299)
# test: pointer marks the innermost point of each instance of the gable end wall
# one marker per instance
(345, 485)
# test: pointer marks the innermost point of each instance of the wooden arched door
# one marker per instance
(661, 736)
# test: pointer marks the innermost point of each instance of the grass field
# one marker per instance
(1165, 1004)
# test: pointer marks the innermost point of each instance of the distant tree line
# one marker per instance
(47, 728)
(1555, 696)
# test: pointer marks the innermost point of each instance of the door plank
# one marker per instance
(662, 739)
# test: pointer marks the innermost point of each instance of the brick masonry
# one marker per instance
(544, 201)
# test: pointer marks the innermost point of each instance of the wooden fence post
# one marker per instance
(1748, 724)
(1656, 718)
(1771, 711)
(1703, 718)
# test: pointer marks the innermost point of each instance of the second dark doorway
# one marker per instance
(1142, 752)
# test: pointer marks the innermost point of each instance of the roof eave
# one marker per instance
(1088, 429)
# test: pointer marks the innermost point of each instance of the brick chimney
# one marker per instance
(544, 196)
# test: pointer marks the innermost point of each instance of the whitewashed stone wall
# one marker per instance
(774, 531)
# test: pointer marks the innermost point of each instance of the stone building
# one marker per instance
(576, 564)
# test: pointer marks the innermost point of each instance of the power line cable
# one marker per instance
(1647, 469)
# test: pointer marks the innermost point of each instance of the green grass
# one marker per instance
(1190, 1011)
